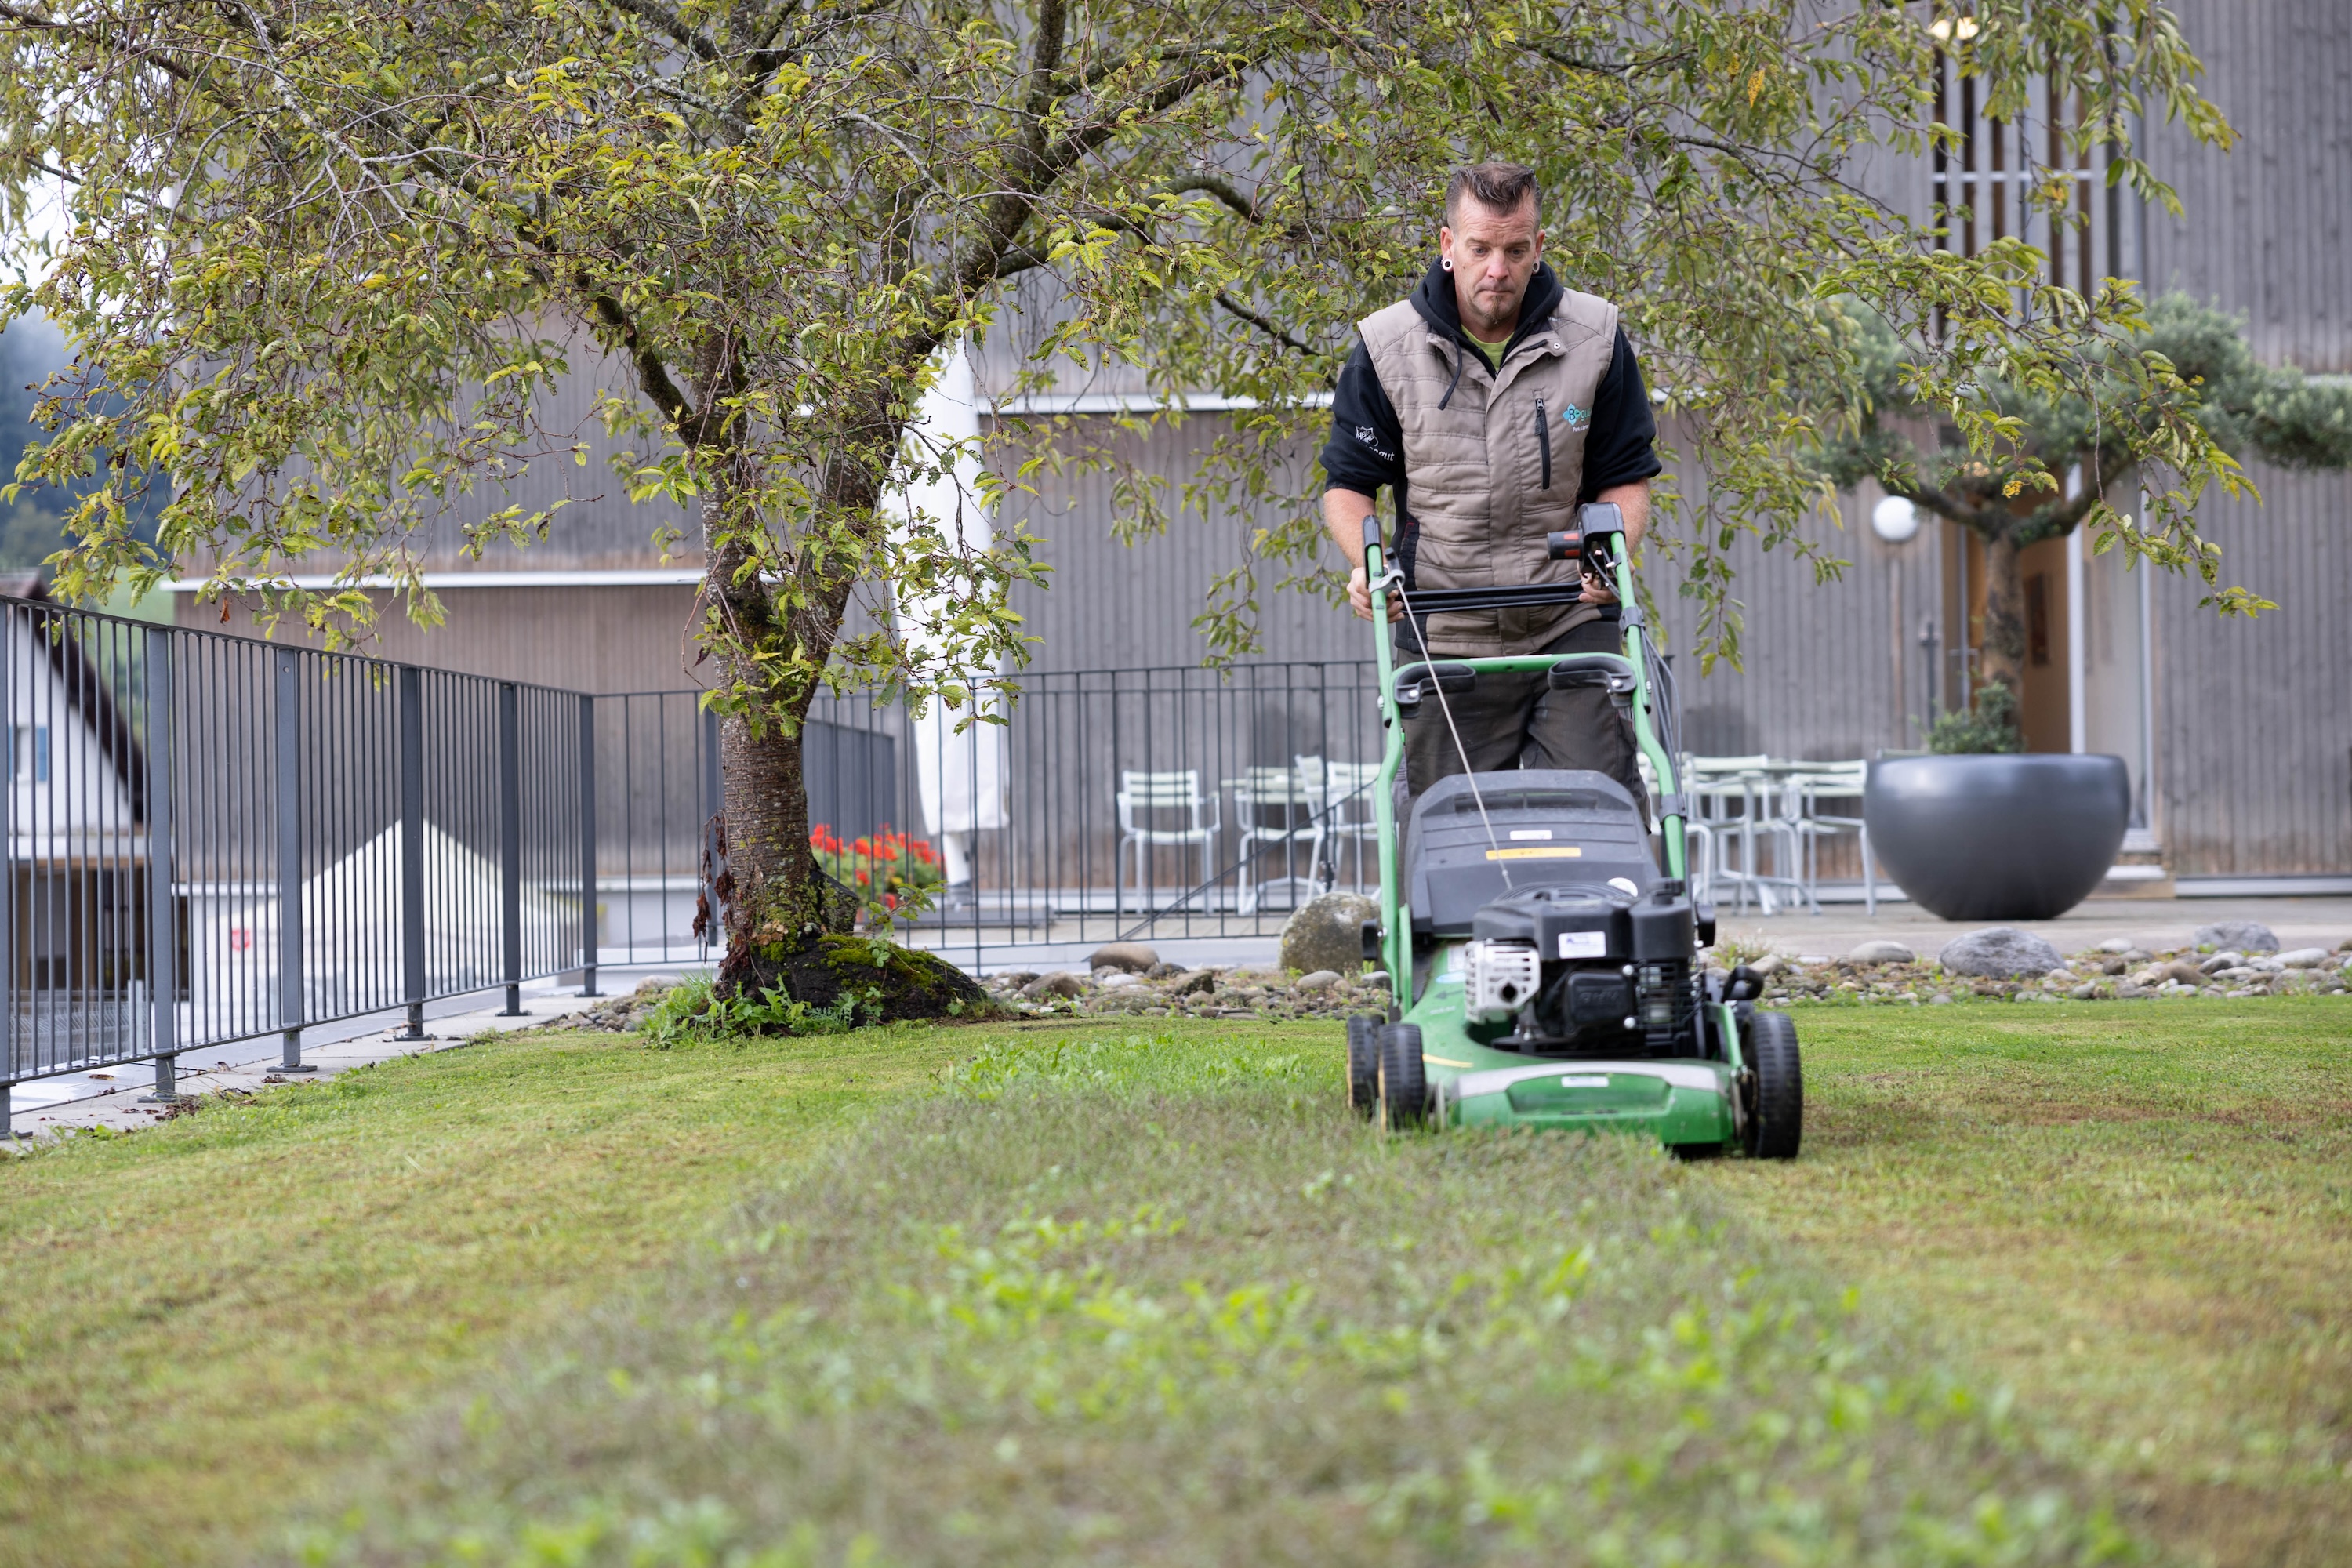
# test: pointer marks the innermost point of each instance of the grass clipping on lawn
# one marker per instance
(1132, 1302)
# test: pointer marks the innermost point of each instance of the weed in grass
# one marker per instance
(692, 1009)
(1149, 1302)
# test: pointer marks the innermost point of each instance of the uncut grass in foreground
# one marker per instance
(1162, 1303)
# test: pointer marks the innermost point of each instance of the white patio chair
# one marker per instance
(1143, 798)
(1725, 804)
(1777, 816)
(1832, 782)
(1277, 807)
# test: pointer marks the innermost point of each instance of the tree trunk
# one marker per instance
(2002, 653)
(787, 925)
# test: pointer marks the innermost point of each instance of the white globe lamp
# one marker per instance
(1895, 520)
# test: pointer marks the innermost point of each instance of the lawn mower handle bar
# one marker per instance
(1612, 670)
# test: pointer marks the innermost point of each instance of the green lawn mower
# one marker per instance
(1544, 971)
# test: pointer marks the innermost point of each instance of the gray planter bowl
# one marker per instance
(2022, 837)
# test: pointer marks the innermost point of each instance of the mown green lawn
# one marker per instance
(2137, 1216)
(200, 1321)
(1139, 1294)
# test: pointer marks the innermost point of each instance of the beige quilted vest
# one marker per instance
(1474, 468)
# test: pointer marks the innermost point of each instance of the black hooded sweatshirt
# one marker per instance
(1366, 450)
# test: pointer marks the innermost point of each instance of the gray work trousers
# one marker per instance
(1518, 721)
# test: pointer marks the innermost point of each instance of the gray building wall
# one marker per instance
(1113, 605)
(2254, 719)
(2266, 229)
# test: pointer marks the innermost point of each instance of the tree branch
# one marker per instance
(1228, 302)
(161, 62)
(1243, 206)
(670, 24)
(653, 376)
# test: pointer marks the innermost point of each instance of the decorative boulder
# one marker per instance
(1328, 933)
(1059, 984)
(1882, 952)
(1321, 980)
(2244, 936)
(2304, 958)
(1999, 952)
(1193, 983)
(1131, 956)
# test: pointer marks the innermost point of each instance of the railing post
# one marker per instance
(412, 848)
(713, 803)
(9, 621)
(163, 926)
(588, 848)
(293, 997)
(510, 843)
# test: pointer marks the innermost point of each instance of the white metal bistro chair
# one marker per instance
(1145, 800)
(1823, 782)
(1278, 807)
(1736, 801)
(1348, 816)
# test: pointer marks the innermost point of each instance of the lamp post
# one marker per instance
(1896, 521)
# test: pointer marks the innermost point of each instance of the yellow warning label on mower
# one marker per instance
(1537, 852)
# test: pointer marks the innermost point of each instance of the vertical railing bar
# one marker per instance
(713, 804)
(411, 753)
(10, 619)
(162, 934)
(292, 998)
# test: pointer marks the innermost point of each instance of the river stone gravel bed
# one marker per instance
(2094, 976)
(1168, 991)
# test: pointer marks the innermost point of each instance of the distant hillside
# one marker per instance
(32, 529)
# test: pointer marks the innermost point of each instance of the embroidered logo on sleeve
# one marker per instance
(1371, 437)
(1576, 418)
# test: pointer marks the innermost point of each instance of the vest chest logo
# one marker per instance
(1576, 418)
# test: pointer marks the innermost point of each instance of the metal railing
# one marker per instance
(1151, 803)
(1015, 831)
(212, 838)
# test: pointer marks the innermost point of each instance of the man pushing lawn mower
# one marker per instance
(1543, 951)
(1495, 402)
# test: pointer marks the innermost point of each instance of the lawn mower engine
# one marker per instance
(1584, 971)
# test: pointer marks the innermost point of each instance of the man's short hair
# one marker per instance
(1502, 187)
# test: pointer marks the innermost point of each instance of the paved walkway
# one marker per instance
(110, 1097)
